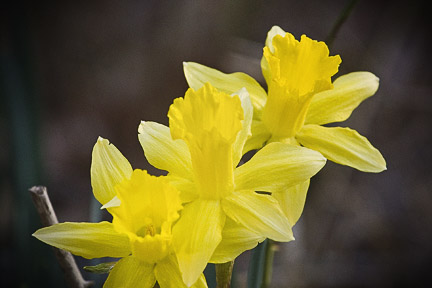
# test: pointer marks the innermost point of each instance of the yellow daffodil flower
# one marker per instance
(144, 209)
(223, 215)
(301, 98)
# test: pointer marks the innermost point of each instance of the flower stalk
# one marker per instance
(224, 274)
(271, 248)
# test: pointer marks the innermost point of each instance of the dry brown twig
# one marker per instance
(48, 217)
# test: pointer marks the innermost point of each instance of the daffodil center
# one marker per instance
(148, 207)
(148, 230)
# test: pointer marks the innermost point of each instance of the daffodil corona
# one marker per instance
(144, 209)
(223, 215)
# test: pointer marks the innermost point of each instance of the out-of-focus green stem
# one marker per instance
(339, 22)
(223, 274)
(256, 266)
(271, 248)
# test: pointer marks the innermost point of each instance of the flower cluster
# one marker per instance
(210, 209)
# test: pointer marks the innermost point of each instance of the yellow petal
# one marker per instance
(196, 235)
(89, 240)
(200, 283)
(197, 74)
(187, 188)
(162, 151)
(209, 121)
(260, 135)
(168, 274)
(259, 213)
(337, 104)
(235, 240)
(114, 202)
(278, 166)
(108, 168)
(292, 201)
(275, 30)
(344, 146)
(245, 131)
(130, 272)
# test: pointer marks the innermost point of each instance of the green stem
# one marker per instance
(339, 22)
(268, 263)
(223, 274)
(256, 266)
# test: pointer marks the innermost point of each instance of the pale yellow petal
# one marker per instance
(337, 104)
(129, 272)
(278, 166)
(292, 201)
(275, 30)
(343, 146)
(108, 168)
(260, 135)
(245, 131)
(196, 235)
(260, 213)
(168, 274)
(197, 74)
(162, 151)
(89, 240)
(236, 239)
(114, 202)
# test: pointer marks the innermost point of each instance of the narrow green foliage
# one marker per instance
(101, 268)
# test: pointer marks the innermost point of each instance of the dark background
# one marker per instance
(75, 70)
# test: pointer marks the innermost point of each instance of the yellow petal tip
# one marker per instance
(141, 128)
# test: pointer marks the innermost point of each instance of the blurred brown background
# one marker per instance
(75, 70)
